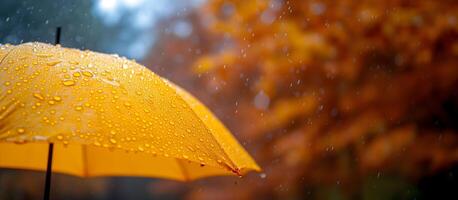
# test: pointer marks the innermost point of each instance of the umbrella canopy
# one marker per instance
(107, 116)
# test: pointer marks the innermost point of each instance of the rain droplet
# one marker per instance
(38, 96)
(53, 63)
(88, 74)
(20, 130)
(68, 82)
(44, 55)
(78, 108)
(57, 98)
(113, 141)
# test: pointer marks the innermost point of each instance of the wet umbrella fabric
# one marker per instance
(107, 116)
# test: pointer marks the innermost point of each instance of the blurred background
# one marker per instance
(334, 99)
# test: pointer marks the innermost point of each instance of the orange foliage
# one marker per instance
(330, 91)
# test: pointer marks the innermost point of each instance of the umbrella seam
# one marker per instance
(200, 120)
(183, 170)
(217, 142)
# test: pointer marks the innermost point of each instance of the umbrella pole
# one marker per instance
(51, 145)
(48, 172)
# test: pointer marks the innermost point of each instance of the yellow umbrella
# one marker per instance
(106, 116)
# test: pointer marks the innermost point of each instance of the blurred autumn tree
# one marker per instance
(330, 92)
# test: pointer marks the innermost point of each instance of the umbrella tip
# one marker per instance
(237, 171)
(58, 30)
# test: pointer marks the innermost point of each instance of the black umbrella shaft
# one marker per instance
(51, 145)
(57, 41)
(48, 172)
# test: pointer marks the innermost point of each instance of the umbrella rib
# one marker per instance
(183, 170)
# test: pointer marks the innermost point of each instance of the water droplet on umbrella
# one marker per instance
(44, 55)
(87, 73)
(38, 96)
(68, 82)
(53, 63)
